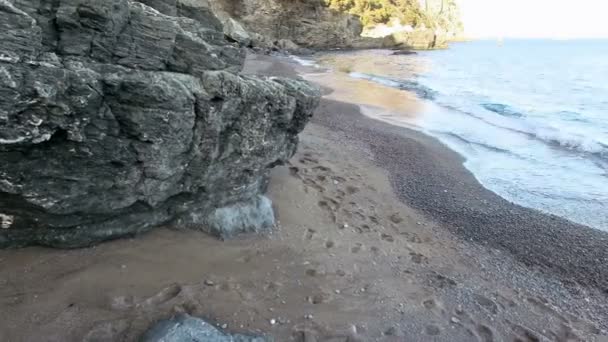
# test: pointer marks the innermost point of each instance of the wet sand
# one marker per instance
(383, 101)
(382, 235)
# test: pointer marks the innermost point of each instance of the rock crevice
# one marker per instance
(119, 116)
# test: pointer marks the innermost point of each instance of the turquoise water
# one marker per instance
(530, 117)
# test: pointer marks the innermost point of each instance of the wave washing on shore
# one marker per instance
(530, 117)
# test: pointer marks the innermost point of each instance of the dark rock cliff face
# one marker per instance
(118, 116)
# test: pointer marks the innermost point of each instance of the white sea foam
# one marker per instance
(304, 61)
(534, 130)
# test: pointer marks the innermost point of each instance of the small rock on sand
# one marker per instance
(187, 328)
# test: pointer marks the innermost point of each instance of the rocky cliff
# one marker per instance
(308, 23)
(119, 116)
(323, 24)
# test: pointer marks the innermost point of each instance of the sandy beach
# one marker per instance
(382, 235)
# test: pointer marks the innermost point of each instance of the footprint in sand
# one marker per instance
(313, 184)
(396, 218)
(565, 333)
(308, 160)
(434, 307)
(330, 206)
(484, 333)
(418, 258)
(273, 286)
(542, 306)
(330, 203)
(107, 331)
(347, 213)
(503, 301)
(122, 303)
(364, 229)
(359, 215)
(486, 303)
(168, 293)
(432, 330)
(351, 190)
(319, 298)
(311, 272)
(440, 281)
(338, 179)
(411, 237)
(294, 171)
(523, 334)
(387, 237)
(340, 194)
(429, 304)
(322, 168)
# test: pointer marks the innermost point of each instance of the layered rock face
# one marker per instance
(119, 116)
(308, 23)
(274, 24)
(417, 40)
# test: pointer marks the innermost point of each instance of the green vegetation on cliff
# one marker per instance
(432, 14)
(381, 11)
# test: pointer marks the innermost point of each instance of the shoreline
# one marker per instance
(520, 158)
(435, 181)
(347, 261)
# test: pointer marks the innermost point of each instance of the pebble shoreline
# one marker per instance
(431, 178)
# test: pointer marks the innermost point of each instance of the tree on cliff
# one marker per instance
(381, 11)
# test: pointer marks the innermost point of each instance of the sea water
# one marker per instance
(529, 116)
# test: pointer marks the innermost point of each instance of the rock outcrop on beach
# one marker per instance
(187, 328)
(119, 116)
(417, 40)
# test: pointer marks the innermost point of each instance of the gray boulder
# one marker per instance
(262, 42)
(235, 31)
(117, 117)
(185, 328)
(287, 45)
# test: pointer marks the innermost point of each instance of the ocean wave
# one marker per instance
(475, 143)
(568, 115)
(554, 137)
(571, 141)
(511, 119)
(304, 62)
(502, 109)
(413, 86)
